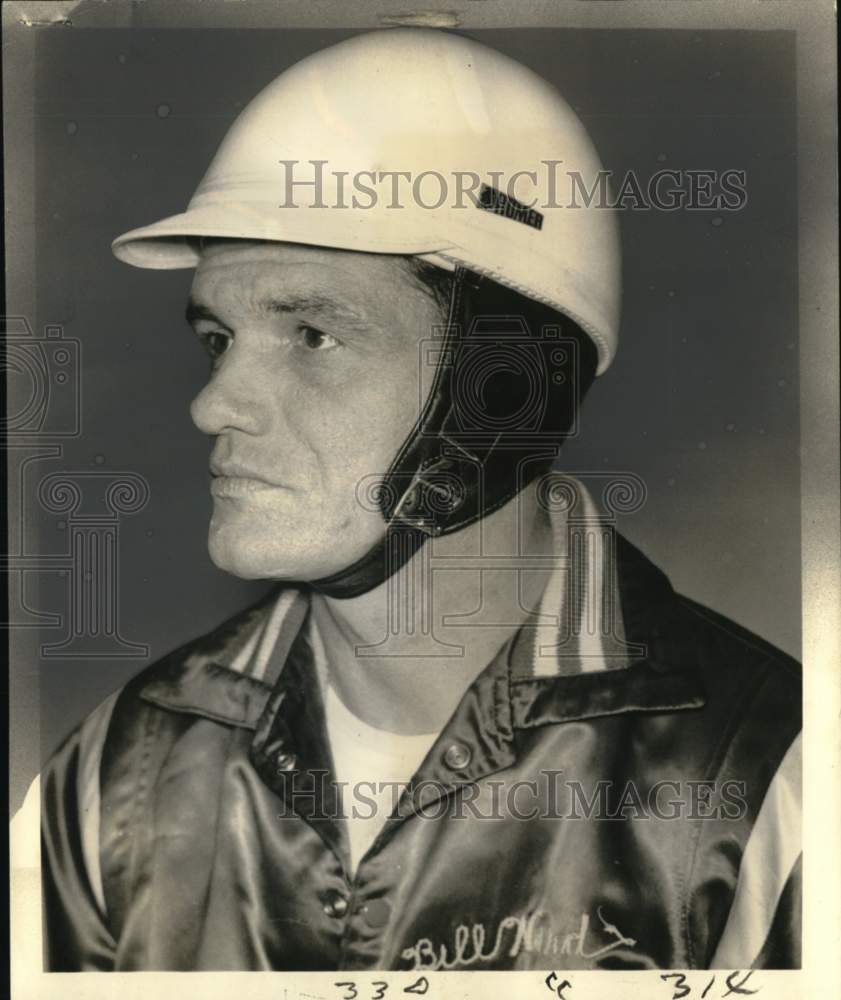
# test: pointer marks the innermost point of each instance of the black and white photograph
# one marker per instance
(422, 498)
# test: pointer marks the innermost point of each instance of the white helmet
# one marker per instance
(417, 142)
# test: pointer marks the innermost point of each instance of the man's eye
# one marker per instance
(215, 343)
(317, 340)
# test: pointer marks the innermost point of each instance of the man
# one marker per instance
(470, 727)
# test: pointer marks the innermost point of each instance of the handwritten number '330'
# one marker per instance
(351, 993)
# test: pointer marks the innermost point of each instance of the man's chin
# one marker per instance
(256, 561)
(249, 562)
(236, 565)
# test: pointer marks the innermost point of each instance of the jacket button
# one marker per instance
(376, 913)
(285, 762)
(457, 756)
(336, 905)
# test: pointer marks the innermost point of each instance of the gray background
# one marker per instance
(702, 401)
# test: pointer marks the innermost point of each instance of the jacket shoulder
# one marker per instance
(743, 673)
(732, 663)
(120, 712)
(738, 642)
(748, 732)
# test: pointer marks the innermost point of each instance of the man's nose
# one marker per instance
(233, 399)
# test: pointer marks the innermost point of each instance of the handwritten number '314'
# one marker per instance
(734, 988)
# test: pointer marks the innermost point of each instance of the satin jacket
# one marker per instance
(635, 811)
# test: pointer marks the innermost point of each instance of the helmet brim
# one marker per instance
(166, 244)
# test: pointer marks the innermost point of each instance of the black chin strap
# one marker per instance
(402, 539)
(397, 547)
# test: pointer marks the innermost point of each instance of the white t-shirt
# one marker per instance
(372, 764)
(375, 764)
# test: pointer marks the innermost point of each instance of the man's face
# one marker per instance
(314, 387)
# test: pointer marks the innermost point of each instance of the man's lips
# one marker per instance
(237, 487)
(232, 481)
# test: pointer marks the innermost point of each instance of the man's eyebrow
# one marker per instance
(312, 304)
(316, 305)
(196, 311)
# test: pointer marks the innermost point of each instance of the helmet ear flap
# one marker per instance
(510, 377)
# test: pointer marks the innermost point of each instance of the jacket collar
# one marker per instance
(227, 675)
(561, 666)
(661, 668)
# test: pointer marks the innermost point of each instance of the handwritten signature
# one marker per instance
(519, 934)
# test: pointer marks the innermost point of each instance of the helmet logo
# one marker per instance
(503, 204)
